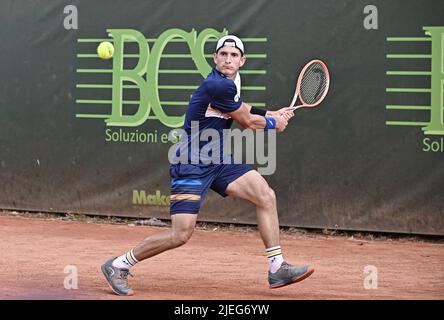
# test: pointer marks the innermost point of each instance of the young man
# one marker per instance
(214, 105)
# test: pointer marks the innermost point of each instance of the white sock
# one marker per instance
(275, 258)
(125, 261)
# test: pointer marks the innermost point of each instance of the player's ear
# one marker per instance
(242, 61)
(214, 57)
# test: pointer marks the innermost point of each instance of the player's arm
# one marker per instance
(254, 121)
(286, 112)
(226, 100)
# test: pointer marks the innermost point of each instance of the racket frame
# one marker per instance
(298, 86)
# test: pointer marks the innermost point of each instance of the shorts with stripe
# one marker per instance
(190, 183)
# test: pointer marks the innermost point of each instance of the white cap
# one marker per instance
(232, 41)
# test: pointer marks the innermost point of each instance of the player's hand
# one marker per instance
(281, 123)
(286, 112)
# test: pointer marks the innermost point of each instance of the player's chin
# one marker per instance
(229, 72)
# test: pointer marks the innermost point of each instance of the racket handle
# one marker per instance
(292, 109)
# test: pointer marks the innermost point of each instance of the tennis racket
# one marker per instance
(312, 85)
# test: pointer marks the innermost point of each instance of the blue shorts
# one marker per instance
(190, 183)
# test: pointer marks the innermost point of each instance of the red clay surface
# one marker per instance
(212, 265)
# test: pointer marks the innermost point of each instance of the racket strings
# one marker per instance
(313, 84)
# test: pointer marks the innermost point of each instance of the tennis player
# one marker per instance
(214, 105)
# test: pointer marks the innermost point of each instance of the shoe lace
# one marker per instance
(124, 274)
(285, 266)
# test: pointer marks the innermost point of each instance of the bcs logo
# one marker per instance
(137, 69)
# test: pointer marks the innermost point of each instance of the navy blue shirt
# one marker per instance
(216, 96)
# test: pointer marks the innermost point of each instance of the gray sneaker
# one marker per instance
(117, 278)
(288, 274)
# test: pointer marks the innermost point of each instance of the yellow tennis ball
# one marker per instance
(105, 50)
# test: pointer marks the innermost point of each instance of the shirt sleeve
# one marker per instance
(224, 96)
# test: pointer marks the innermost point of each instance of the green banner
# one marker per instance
(84, 134)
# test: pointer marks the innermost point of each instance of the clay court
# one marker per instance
(214, 264)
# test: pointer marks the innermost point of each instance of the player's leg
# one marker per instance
(251, 186)
(189, 185)
(182, 227)
(254, 188)
(116, 270)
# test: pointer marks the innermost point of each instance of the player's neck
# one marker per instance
(232, 77)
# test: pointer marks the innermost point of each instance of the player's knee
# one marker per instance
(181, 237)
(267, 198)
(271, 197)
